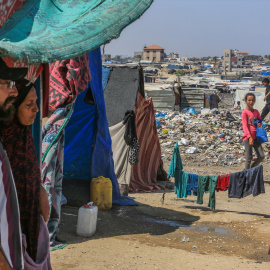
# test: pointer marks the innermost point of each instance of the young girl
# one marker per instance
(249, 116)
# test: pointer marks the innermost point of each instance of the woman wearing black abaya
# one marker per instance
(17, 139)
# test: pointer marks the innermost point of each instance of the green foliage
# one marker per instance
(180, 73)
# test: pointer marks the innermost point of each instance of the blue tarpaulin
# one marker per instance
(265, 73)
(88, 152)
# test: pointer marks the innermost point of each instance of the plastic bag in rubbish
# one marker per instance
(190, 110)
(160, 114)
(205, 111)
(192, 150)
(158, 124)
(184, 141)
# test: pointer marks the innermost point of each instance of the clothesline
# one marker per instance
(239, 184)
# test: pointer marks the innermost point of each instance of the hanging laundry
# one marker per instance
(130, 137)
(249, 181)
(175, 170)
(207, 184)
(223, 182)
(254, 181)
(183, 189)
(192, 184)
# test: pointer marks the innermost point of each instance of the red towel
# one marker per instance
(223, 182)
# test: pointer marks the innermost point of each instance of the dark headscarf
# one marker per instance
(23, 86)
(18, 142)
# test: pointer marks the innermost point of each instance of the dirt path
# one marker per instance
(178, 234)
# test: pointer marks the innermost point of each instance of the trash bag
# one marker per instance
(192, 150)
(158, 124)
(160, 114)
(261, 135)
(229, 117)
(190, 110)
(205, 111)
(184, 141)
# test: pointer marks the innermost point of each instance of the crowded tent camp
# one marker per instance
(115, 162)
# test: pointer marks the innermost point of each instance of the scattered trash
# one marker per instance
(165, 131)
(184, 141)
(185, 239)
(192, 150)
(213, 137)
(158, 124)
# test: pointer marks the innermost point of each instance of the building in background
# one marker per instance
(153, 53)
(106, 58)
(227, 60)
(138, 56)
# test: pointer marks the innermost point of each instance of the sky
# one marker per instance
(196, 28)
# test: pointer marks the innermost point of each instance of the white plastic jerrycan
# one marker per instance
(87, 220)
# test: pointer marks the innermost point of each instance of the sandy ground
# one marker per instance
(176, 234)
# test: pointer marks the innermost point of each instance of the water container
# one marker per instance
(101, 193)
(87, 220)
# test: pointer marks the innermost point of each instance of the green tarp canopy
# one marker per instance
(44, 31)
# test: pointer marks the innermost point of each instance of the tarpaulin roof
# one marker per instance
(45, 31)
(120, 93)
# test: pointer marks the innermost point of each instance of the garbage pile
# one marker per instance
(212, 138)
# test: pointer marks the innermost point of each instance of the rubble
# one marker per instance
(211, 139)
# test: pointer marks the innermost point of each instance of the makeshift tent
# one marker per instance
(211, 101)
(44, 31)
(88, 152)
(125, 91)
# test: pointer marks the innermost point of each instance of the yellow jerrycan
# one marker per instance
(101, 193)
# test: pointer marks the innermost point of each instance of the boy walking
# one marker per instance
(266, 108)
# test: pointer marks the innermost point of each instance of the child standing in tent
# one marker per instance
(249, 116)
(238, 107)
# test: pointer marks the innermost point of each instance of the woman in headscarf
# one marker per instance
(33, 201)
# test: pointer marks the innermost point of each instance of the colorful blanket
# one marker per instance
(68, 78)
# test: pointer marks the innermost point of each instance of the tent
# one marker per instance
(87, 152)
(88, 146)
(125, 91)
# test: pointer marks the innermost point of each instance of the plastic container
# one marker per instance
(101, 193)
(165, 131)
(87, 220)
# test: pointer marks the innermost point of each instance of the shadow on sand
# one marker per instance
(126, 220)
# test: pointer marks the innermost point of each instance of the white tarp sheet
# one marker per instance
(239, 95)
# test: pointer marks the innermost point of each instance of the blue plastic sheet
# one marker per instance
(160, 114)
(105, 76)
(79, 136)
